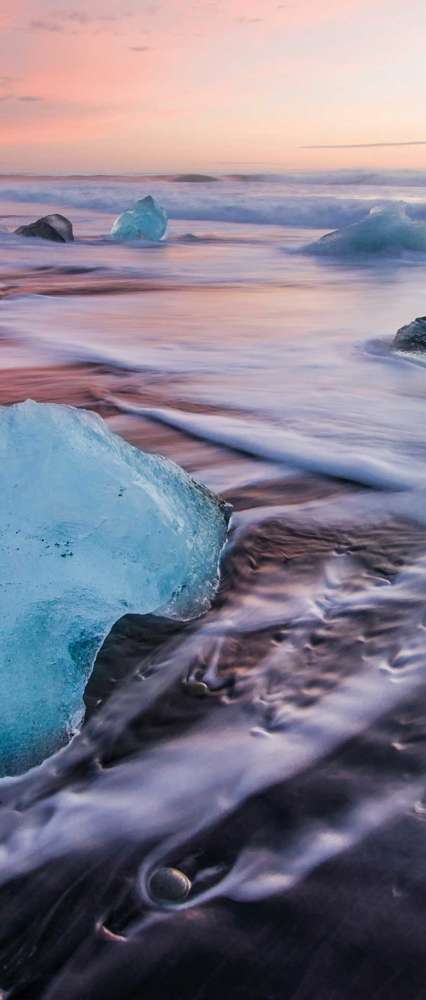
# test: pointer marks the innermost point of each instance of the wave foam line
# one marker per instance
(274, 444)
(230, 204)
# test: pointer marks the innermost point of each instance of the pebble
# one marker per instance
(169, 885)
(197, 689)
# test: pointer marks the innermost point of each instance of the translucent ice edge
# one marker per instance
(147, 220)
(91, 529)
(384, 230)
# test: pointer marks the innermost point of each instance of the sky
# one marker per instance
(211, 85)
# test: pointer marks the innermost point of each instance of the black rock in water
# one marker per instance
(51, 227)
(62, 225)
(195, 178)
(412, 337)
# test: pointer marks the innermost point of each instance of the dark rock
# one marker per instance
(412, 337)
(169, 885)
(195, 178)
(62, 225)
(50, 227)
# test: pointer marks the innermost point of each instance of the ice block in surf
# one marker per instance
(146, 221)
(91, 529)
(386, 229)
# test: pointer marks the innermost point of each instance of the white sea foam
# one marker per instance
(317, 200)
(274, 444)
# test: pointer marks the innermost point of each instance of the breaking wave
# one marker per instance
(300, 200)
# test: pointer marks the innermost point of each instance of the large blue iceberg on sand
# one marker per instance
(146, 221)
(91, 529)
(386, 229)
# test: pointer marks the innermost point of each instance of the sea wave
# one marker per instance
(276, 201)
(275, 444)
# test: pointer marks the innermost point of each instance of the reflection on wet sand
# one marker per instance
(272, 752)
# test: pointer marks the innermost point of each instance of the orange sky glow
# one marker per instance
(159, 85)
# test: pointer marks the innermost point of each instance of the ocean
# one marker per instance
(292, 793)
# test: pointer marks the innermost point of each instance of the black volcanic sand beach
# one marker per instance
(320, 862)
(272, 752)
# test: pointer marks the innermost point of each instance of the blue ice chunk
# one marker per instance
(91, 529)
(146, 221)
(386, 229)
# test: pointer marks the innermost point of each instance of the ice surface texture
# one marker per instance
(386, 230)
(146, 221)
(91, 529)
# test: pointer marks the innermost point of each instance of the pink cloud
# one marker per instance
(186, 84)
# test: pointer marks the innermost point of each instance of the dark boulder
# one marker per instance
(62, 225)
(50, 227)
(412, 338)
